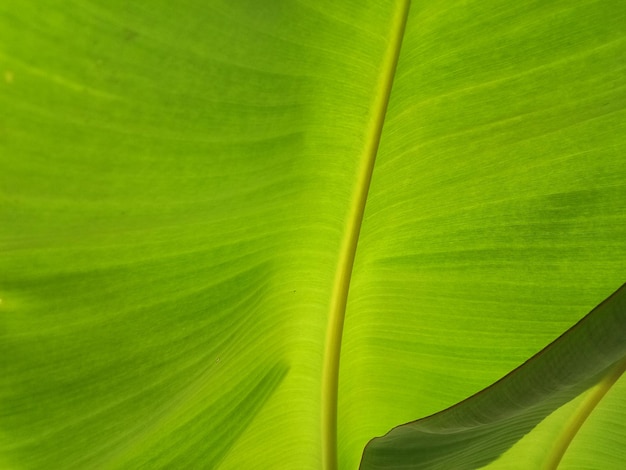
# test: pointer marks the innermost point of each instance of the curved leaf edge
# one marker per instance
(478, 429)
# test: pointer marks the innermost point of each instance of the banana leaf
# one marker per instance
(242, 234)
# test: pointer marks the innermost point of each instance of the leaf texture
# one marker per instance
(176, 186)
(478, 430)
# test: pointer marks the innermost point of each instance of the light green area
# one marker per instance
(601, 441)
(175, 184)
(496, 211)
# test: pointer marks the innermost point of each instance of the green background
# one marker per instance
(175, 184)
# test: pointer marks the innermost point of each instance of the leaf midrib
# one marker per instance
(578, 418)
(345, 263)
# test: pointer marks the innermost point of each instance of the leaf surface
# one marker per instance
(478, 430)
(178, 188)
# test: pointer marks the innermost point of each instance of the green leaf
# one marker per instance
(191, 249)
(478, 430)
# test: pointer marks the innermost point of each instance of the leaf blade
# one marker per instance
(478, 430)
(494, 219)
